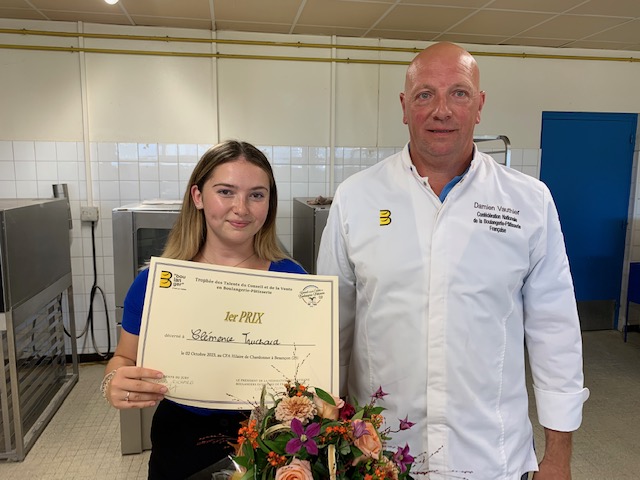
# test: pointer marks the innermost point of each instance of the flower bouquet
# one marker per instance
(309, 434)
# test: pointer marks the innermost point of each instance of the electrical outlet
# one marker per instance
(88, 214)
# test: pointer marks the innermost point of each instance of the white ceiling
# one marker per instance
(597, 24)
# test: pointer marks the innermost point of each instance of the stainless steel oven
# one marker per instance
(139, 232)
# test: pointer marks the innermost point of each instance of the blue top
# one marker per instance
(452, 183)
(134, 303)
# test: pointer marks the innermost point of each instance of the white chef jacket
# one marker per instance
(437, 300)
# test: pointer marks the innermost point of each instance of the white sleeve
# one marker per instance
(552, 329)
(333, 259)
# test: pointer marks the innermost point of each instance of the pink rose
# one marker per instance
(296, 470)
(326, 410)
(369, 443)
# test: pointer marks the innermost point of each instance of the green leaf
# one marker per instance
(250, 454)
(325, 396)
(263, 394)
(242, 461)
(246, 448)
(275, 446)
(355, 451)
(345, 449)
(320, 470)
(358, 415)
(262, 445)
(249, 474)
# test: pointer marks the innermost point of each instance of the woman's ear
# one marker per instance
(196, 196)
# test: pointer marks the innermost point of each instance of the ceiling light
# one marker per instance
(111, 2)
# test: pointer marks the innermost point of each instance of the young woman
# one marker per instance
(227, 218)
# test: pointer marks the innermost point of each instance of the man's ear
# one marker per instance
(482, 97)
(404, 112)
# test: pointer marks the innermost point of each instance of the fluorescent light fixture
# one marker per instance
(111, 2)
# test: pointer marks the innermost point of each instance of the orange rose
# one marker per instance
(326, 410)
(296, 470)
(369, 443)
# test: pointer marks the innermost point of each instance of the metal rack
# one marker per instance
(493, 151)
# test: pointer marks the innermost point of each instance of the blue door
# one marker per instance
(586, 162)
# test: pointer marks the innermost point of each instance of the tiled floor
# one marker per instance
(83, 441)
(606, 446)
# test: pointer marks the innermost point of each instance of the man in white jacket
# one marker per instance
(449, 264)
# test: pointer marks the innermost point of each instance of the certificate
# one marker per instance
(219, 334)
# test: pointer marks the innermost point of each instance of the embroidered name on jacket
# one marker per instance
(497, 218)
(385, 217)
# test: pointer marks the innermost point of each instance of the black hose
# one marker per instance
(94, 289)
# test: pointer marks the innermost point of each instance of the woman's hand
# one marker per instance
(129, 388)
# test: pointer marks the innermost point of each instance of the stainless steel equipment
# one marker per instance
(502, 154)
(308, 224)
(35, 276)
(61, 190)
(140, 231)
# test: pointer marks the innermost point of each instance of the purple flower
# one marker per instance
(402, 458)
(379, 393)
(359, 428)
(304, 437)
(406, 424)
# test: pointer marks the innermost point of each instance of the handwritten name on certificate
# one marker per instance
(219, 333)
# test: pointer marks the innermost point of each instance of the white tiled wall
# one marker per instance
(123, 173)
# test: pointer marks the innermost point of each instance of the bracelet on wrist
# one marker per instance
(106, 381)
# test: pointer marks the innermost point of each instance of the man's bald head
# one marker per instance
(447, 52)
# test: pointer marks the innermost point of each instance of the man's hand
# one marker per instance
(556, 463)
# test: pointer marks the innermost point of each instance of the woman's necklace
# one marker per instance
(236, 265)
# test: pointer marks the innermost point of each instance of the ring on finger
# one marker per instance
(126, 397)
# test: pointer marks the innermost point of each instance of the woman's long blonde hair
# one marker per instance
(190, 230)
